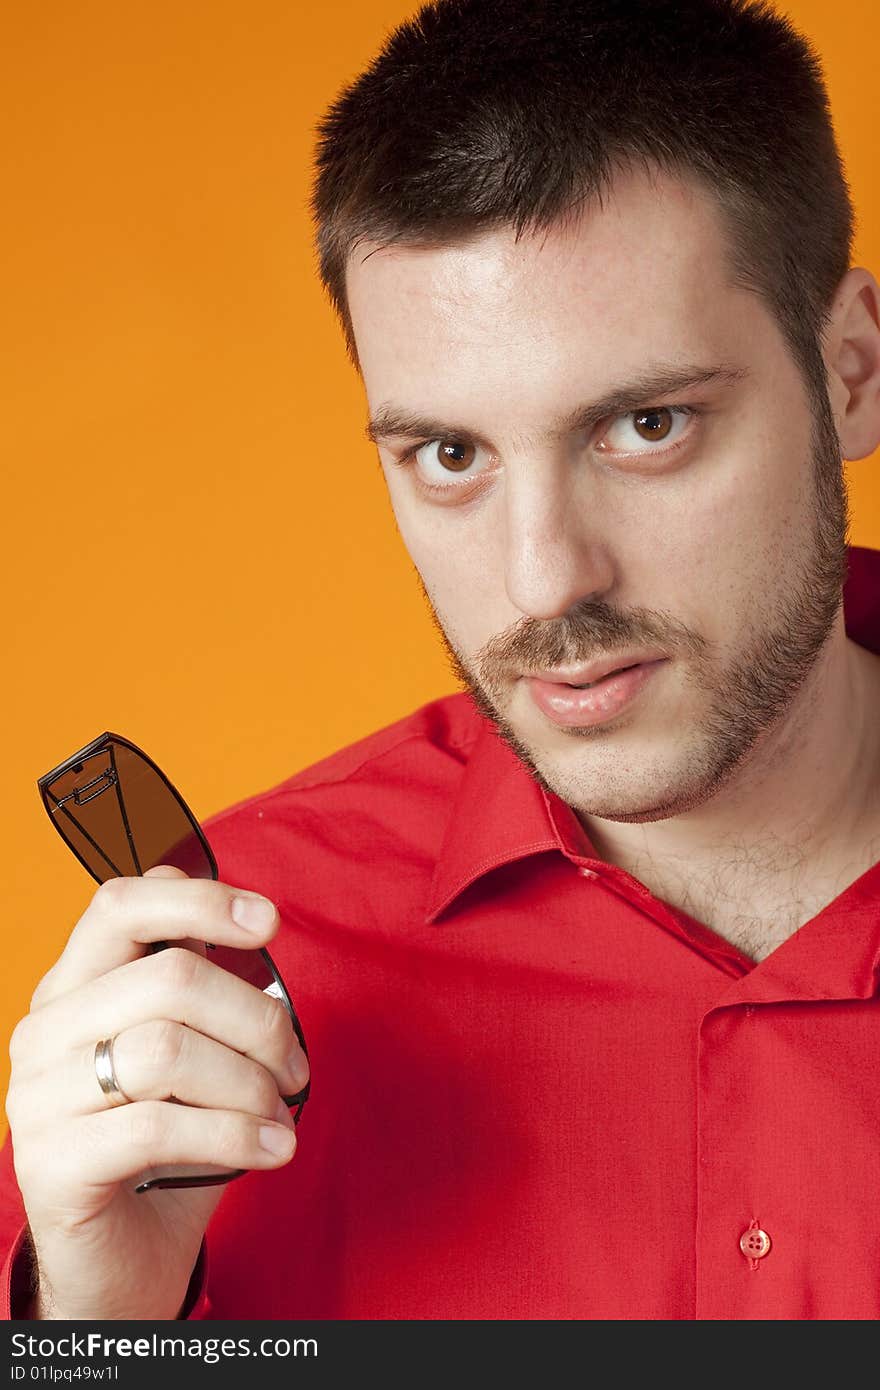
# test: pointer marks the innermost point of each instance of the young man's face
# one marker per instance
(717, 539)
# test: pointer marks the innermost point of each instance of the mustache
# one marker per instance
(585, 632)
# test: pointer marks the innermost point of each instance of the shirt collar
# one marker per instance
(500, 813)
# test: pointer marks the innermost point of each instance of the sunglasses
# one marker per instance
(119, 814)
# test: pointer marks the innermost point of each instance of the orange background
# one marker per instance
(198, 551)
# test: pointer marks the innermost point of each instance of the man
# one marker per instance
(587, 962)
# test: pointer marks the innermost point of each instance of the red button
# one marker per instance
(754, 1243)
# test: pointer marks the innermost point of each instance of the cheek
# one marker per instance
(725, 535)
(441, 553)
(424, 549)
(455, 580)
(455, 571)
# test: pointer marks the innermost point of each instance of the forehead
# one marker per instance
(647, 263)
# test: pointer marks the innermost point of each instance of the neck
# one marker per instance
(795, 824)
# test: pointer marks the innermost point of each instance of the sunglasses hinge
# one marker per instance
(108, 777)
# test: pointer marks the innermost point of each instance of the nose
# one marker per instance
(554, 552)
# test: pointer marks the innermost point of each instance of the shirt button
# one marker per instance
(754, 1243)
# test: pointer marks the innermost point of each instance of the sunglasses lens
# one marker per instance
(257, 968)
(248, 965)
(120, 817)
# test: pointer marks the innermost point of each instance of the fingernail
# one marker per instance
(297, 1071)
(276, 1140)
(254, 913)
(283, 1115)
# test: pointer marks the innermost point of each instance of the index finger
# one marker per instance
(128, 914)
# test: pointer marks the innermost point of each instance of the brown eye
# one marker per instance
(455, 457)
(447, 468)
(653, 424)
(630, 434)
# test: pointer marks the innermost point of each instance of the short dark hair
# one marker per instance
(484, 113)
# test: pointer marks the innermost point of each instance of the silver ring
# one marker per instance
(106, 1075)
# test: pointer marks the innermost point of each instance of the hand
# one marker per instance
(185, 1030)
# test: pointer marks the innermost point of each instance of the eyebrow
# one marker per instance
(660, 379)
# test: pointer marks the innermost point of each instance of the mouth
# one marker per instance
(592, 673)
(579, 703)
(588, 685)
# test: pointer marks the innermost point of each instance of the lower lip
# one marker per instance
(573, 708)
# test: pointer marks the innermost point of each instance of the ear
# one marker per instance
(852, 358)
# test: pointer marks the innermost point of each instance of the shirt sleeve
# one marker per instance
(17, 1282)
(16, 1278)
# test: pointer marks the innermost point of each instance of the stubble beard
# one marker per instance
(746, 701)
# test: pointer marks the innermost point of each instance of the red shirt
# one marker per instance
(538, 1090)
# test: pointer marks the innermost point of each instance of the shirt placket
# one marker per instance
(788, 1137)
(734, 1227)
